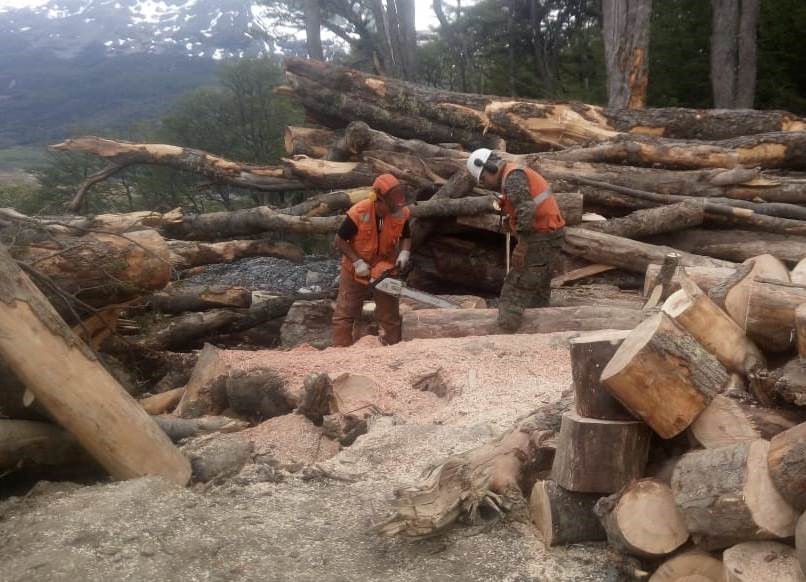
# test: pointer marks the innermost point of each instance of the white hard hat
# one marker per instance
(476, 161)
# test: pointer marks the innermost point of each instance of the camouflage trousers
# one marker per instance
(528, 283)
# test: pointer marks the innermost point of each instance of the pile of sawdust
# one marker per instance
(291, 439)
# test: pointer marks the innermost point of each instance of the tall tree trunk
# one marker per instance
(408, 37)
(313, 23)
(626, 39)
(733, 53)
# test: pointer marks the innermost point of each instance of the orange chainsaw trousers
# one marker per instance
(349, 303)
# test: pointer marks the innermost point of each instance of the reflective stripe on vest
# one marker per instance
(542, 197)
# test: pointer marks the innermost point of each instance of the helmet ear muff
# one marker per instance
(373, 196)
(490, 167)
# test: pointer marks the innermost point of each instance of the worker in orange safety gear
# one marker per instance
(374, 238)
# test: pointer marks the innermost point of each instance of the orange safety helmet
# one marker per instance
(389, 189)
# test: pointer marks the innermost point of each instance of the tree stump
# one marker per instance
(726, 494)
(590, 353)
(786, 462)
(726, 421)
(562, 516)
(695, 312)
(664, 376)
(690, 566)
(762, 562)
(599, 456)
(642, 519)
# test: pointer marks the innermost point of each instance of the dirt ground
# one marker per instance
(269, 524)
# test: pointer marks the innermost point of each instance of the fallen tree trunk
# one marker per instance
(438, 323)
(328, 204)
(308, 141)
(736, 245)
(332, 92)
(80, 394)
(642, 519)
(664, 376)
(181, 298)
(178, 429)
(643, 223)
(562, 516)
(726, 494)
(187, 254)
(360, 137)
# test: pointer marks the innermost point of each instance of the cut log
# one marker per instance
(78, 392)
(736, 245)
(181, 298)
(25, 443)
(642, 519)
(765, 310)
(164, 402)
(599, 456)
(705, 277)
(360, 137)
(562, 516)
(694, 311)
(726, 421)
(787, 464)
(800, 329)
(690, 566)
(727, 494)
(800, 542)
(590, 353)
(435, 323)
(488, 475)
(308, 141)
(798, 274)
(762, 562)
(329, 203)
(627, 254)
(664, 376)
(786, 385)
(178, 429)
(185, 254)
(652, 221)
(205, 392)
(570, 204)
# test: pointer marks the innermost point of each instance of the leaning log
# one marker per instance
(80, 394)
(562, 516)
(664, 376)
(726, 494)
(436, 323)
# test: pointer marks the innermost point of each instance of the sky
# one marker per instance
(425, 13)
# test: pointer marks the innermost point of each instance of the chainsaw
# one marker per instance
(386, 283)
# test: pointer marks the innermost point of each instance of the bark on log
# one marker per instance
(727, 421)
(488, 475)
(441, 116)
(800, 542)
(798, 274)
(80, 394)
(664, 376)
(652, 221)
(178, 429)
(164, 402)
(625, 253)
(570, 203)
(784, 385)
(25, 442)
(181, 298)
(308, 141)
(642, 519)
(727, 494)
(762, 562)
(437, 323)
(625, 28)
(328, 204)
(736, 245)
(360, 137)
(590, 353)
(690, 566)
(786, 462)
(800, 330)
(599, 456)
(564, 517)
(205, 391)
(695, 312)
(705, 277)
(186, 254)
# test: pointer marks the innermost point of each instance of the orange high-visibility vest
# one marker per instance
(548, 217)
(370, 245)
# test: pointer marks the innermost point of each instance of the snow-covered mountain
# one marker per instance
(197, 28)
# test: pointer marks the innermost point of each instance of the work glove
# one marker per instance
(403, 260)
(519, 256)
(361, 268)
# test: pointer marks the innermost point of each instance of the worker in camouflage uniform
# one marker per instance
(536, 220)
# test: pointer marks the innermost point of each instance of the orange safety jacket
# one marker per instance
(374, 247)
(548, 217)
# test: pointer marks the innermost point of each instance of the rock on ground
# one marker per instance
(271, 274)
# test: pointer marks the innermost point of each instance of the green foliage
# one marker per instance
(781, 70)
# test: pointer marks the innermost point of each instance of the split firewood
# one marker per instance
(653, 221)
(590, 353)
(433, 323)
(714, 329)
(787, 464)
(762, 562)
(728, 421)
(664, 376)
(690, 566)
(181, 298)
(26, 443)
(599, 456)
(78, 392)
(163, 402)
(642, 519)
(308, 141)
(486, 477)
(562, 516)
(178, 429)
(726, 494)
(205, 393)
(570, 204)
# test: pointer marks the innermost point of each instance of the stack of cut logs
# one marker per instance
(726, 466)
